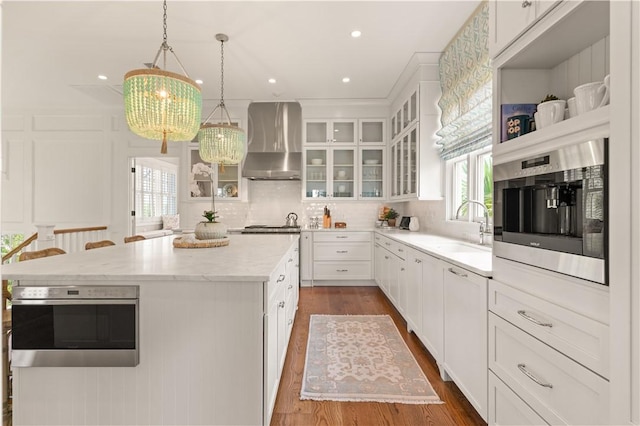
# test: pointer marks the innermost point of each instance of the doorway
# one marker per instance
(153, 192)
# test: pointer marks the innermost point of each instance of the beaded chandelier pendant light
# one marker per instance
(162, 105)
(219, 142)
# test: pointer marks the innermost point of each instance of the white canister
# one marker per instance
(414, 224)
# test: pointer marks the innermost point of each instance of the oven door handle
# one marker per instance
(59, 302)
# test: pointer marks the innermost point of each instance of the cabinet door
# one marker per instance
(412, 162)
(316, 176)
(506, 408)
(271, 355)
(396, 177)
(344, 172)
(306, 256)
(372, 131)
(432, 306)
(316, 131)
(511, 19)
(465, 334)
(344, 131)
(223, 180)
(414, 286)
(371, 173)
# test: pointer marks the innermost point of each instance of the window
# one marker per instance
(156, 190)
(470, 177)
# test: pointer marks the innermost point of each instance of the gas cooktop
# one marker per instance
(267, 229)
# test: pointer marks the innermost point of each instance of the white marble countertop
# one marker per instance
(472, 257)
(246, 258)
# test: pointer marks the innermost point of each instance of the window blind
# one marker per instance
(465, 80)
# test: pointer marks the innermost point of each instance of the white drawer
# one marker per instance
(580, 338)
(506, 408)
(342, 270)
(346, 251)
(392, 246)
(342, 236)
(560, 390)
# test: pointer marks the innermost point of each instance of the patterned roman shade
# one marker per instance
(465, 79)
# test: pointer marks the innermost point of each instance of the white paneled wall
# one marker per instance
(592, 64)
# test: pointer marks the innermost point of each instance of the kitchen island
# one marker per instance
(213, 330)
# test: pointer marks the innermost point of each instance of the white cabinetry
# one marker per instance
(226, 181)
(372, 131)
(329, 131)
(552, 352)
(372, 172)
(282, 302)
(465, 334)
(342, 255)
(432, 330)
(509, 19)
(414, 161)
(393, 271)
(306, 257)
(557, 388)
(330, 172)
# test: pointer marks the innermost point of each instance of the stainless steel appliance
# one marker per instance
(274, 143)
(550, 211)
(266, 229)
(75, 326)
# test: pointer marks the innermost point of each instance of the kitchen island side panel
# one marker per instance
(201, 362)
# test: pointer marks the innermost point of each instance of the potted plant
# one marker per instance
(210, 229)
(390, 216)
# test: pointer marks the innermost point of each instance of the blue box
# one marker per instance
(516, 120)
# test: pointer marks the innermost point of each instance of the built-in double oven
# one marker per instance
(550, 210)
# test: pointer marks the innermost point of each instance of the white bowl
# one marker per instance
(316, 161)
(370, 161)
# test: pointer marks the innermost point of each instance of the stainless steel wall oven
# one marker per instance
(550, 210)
(75, 326)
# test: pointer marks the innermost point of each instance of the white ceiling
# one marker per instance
(53, 51)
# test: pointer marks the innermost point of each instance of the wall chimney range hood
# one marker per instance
(274, 143)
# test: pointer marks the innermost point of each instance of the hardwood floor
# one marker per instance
(290, 410)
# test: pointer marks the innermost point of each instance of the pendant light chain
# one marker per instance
(221, 73)
(164, 23)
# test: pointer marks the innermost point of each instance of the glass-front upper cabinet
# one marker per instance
(407, 114)
(372, 173)
(404, 165)
(372, 131)
(344, 173)
(315, 179)
(330, 172)
(338, 131)
(203, 176)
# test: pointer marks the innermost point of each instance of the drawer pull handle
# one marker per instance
(527, 373)
(525, 4)
(290, 260)
(460, 274)
(528, 317)
(342, 236)
(417, 260)
(342, 251)
(290, 287)
(386, 257)
(280, 278)
(387, 244)
(342, 270)
(290, 321)
(400, 250)
(281, 304)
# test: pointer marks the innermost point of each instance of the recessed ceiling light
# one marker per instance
(346, 80)
(355, 33)
(272, 80)
(102, 77)
(199, 81)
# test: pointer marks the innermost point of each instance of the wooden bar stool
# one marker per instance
(98, 244)
(134, 238)
(28, 255)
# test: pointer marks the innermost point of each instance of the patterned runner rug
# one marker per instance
(362, 358)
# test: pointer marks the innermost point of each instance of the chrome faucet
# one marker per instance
(484, 227)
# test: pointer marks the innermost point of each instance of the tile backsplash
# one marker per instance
(271, 202)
